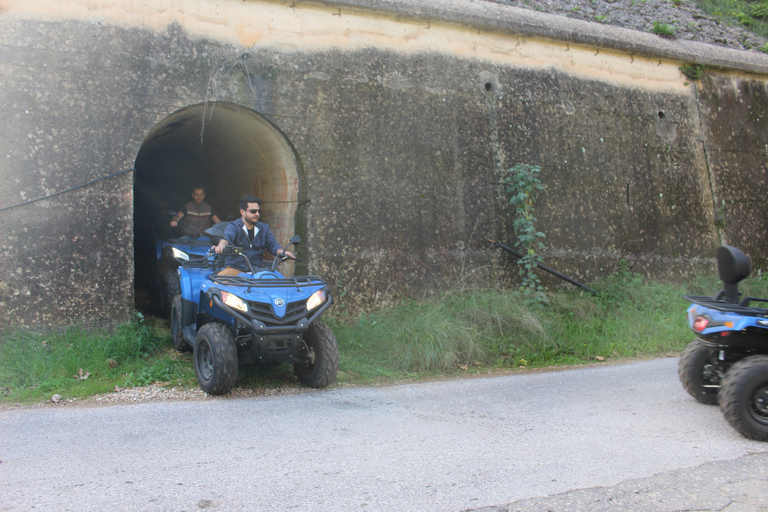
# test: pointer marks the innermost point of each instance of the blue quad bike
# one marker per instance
(255, 317)
(170, 252)
(727, 364)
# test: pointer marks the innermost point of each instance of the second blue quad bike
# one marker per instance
(172, 248)
(727, 364)
(258, 316)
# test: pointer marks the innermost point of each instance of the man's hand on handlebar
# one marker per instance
(288, 254)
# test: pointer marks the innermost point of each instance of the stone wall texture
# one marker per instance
(403, 116)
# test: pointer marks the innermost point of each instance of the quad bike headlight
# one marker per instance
(234, 301)
(315, 300)
(179, 255)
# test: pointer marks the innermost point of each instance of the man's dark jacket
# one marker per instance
(263, 239)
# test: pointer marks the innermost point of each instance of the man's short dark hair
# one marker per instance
(243, 204)
(197, 186)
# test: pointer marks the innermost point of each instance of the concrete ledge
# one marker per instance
(513, 20)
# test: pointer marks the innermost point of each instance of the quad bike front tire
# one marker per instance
(177, 327)
(215, 357)
(697, 373)
(171, 287)
(744, 397)
(320, 357)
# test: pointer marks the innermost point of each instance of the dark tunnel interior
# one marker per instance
(229, 149)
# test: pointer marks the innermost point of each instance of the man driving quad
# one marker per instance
(199, 214)
(253, 236)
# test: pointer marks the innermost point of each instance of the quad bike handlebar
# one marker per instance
(185, 225)
(281, 258)
(233, 250)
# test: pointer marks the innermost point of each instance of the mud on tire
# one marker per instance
(743, 397)
(215, 357)
(697, 373)
(320, 353)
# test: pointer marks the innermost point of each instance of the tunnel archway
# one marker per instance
(232, 151)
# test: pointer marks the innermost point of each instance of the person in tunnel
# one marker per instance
(253, 236)
(199, 214)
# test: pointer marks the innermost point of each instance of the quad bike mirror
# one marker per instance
(733, 266)
(295, 239)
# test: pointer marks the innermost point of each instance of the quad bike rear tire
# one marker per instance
(215, 357)
(177, 327)
(697, 373)
(744, 397)
(320, 354)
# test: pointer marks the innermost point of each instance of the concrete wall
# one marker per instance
(402, 115)
(735, 139)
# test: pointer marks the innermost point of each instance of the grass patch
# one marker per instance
(752, 16)
(463, 331)
(662, 29)
(77, 363)
(494, 329)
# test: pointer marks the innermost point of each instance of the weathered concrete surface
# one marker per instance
(625, 172)
(66, 266)
(77, 99)
(736, 142)
(402, 115)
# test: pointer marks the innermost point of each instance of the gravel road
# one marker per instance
(439, 446)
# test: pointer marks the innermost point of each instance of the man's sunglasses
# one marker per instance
(254, 211)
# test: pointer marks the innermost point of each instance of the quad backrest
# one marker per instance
(733, 266)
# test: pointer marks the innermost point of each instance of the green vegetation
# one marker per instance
(484, 329)
(693, 71)
(662, 29)
(752, 16)
(77, 363)
(523, 184)
(760, 11)
(464, 331)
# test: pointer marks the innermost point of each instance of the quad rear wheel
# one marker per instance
(698, 373)
(744, 397)
(215, 357)
(320, 354)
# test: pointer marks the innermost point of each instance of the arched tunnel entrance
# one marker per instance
(232, 151)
